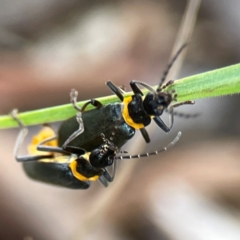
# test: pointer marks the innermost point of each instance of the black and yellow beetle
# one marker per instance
(70, 167)
(119, 121)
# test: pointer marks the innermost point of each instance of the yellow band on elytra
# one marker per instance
(126, 115)
(45, 133)
(79, 176)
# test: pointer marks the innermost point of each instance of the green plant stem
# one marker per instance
(220, 82)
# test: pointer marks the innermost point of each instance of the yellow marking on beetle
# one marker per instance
(79, 176)
(58, 159)
(126, 115)
(44, 134)
(86, 156)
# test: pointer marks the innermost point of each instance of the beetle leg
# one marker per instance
(115, 89)
(135, 88)
(145, 135)
(73, 97)
(103, 181)
(67, 149)
(162, 124)
(44, 148)
(21, 136)
(73, 100)
(107, 175)
(93, 102)
(76, 133)
(80, 125)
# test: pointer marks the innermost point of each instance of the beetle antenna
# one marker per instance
(165, 73)
(152, 153)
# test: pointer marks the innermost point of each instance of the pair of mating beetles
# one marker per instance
(83, 149)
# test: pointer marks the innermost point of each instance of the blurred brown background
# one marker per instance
(190, 192)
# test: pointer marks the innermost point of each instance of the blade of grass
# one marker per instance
(220, 82)
(51, 114)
